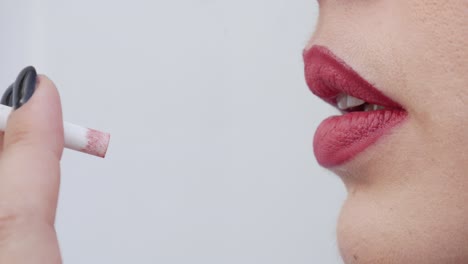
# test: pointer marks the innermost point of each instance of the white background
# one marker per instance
(211, 153)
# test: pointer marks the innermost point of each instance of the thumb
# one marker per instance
(29, 179)
(33, 145)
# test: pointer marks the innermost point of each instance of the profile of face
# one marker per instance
(403, 155)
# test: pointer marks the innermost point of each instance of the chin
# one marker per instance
(385, 227)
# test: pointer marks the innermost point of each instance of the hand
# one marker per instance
(30, 153)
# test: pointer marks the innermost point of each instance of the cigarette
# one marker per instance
(78, 138)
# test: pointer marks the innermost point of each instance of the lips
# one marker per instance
(339, 139)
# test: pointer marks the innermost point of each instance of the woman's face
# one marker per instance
(408, 189)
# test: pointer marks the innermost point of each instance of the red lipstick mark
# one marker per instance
(338, 139)
(97, 143)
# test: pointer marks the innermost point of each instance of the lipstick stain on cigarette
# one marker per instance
(97, 143)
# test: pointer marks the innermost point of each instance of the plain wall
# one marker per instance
(211, 155)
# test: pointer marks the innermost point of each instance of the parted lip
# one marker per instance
(328, 76)
(339, 139)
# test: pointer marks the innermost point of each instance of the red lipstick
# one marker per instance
(338, 139)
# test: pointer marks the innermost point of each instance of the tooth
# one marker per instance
(346, 101)
(379, 107)
(368, 108)
(353, 101)
(342, 102)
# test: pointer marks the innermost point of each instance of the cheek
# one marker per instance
(434, 57)
(405, 226)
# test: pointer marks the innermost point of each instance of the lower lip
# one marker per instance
(341, 138)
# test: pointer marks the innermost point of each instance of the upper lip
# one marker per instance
(328, 76)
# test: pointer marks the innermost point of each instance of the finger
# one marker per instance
(33, 145)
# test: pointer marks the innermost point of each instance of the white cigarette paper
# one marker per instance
(78, 138)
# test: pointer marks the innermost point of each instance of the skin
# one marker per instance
(408, 198)
(408, 193)
(30, 152)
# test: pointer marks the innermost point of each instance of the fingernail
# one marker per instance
(24, 87)
(6, 98)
